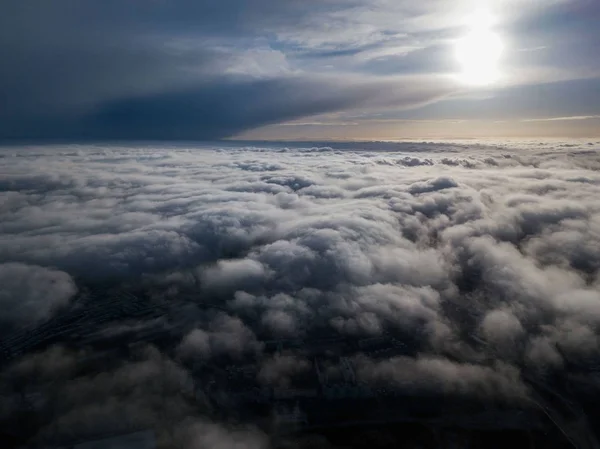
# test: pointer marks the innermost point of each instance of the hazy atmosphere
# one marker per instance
(333, 224)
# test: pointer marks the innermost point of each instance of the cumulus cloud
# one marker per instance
(31, 294)
(279, 369)
(502, 329)
(483, 279)
(149, 392)
(440, 375)
(242, 274)
(225, 335)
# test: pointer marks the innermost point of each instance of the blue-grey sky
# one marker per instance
(298, 69)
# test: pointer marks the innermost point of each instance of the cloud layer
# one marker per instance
(482, 258)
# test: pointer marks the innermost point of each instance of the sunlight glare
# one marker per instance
(479, 51)
(481, 19)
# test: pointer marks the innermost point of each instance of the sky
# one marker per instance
(134, 157)
(81, 70)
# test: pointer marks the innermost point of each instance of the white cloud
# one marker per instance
(31, 294)
(441, 375)
(224, 336)
(470, 249)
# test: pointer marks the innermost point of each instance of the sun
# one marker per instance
(479, 53)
